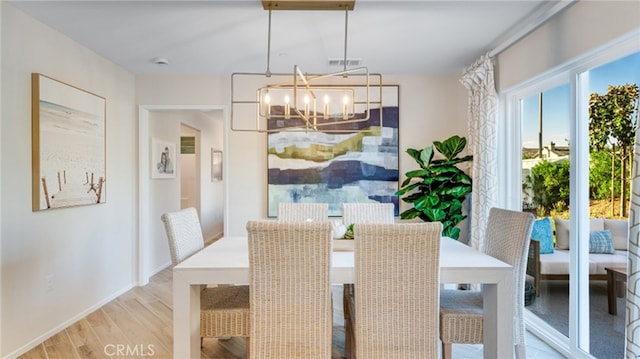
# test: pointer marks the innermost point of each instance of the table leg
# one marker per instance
(498, 304)
(611, 293)
(186, 318)
(621, 285)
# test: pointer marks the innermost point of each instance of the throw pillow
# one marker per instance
(562, 230)
(600, 242)
(543, 233)
(562, 233)
(619, 233)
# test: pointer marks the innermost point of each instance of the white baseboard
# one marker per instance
(41, 338)
(159, 269)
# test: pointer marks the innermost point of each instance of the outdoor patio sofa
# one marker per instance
(553, 262)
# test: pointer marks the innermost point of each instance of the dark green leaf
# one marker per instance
(410, 214)
(452, 232)
(407, 189)
(456, 206)
(444, 169)
(426, 155)
(435, 215)
(451, 146)
(458, 191)
(417, 173)
(414, 197)
(415, 154)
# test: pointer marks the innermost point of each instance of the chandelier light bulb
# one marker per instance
(267, 101)
(287, 108)
(326, 107)
(345, 105)
(306, 106)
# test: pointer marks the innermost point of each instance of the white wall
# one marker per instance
(164, 194)
(89, 249)
(211, 127)
(431, 108)
(579, 29)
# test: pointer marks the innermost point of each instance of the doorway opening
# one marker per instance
(157, 196)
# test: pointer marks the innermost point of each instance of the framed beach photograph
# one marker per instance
(163, 159)
(68, 145)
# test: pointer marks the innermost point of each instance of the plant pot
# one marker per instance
(343, 245)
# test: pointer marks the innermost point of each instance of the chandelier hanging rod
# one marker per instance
(346, 27)
(268, 72)
(297, 100)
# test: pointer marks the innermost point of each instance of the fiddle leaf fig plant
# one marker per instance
(438, 188)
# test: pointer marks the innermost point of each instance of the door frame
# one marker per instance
(141, 246)
(573, 72)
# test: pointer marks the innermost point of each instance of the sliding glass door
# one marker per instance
(573, 175)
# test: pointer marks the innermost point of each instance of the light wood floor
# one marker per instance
(141, 320)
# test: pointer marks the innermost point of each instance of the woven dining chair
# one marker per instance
(354, 213)
(507, 238)
(298, 212)
(395, 303)
(224, 311)
(290, 299)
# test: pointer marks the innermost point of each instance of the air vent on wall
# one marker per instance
(340, 62)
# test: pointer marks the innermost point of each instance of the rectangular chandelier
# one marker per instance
(336, 102)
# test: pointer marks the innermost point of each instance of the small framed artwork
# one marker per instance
(163, 159)
(216, 165)
(67, 145)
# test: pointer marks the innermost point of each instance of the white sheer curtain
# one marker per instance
(482, 123)
(633, 270)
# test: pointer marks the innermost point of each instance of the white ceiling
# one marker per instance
(222, 37)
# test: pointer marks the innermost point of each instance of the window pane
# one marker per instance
(545, 174)
(610, 165)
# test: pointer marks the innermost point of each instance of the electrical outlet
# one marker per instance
(49, 280)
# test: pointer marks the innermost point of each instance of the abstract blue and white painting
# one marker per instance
(336, 168)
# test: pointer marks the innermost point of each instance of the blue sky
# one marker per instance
(555, 114)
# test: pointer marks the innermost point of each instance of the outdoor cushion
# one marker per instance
(562, 230)
(616, 260)
(543, 233)
(619, 233)
(558, 263)
(600, 242)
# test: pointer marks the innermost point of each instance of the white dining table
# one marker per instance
(226, 261)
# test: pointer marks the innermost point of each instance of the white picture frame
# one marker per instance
(163, 159)
(216, 165)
